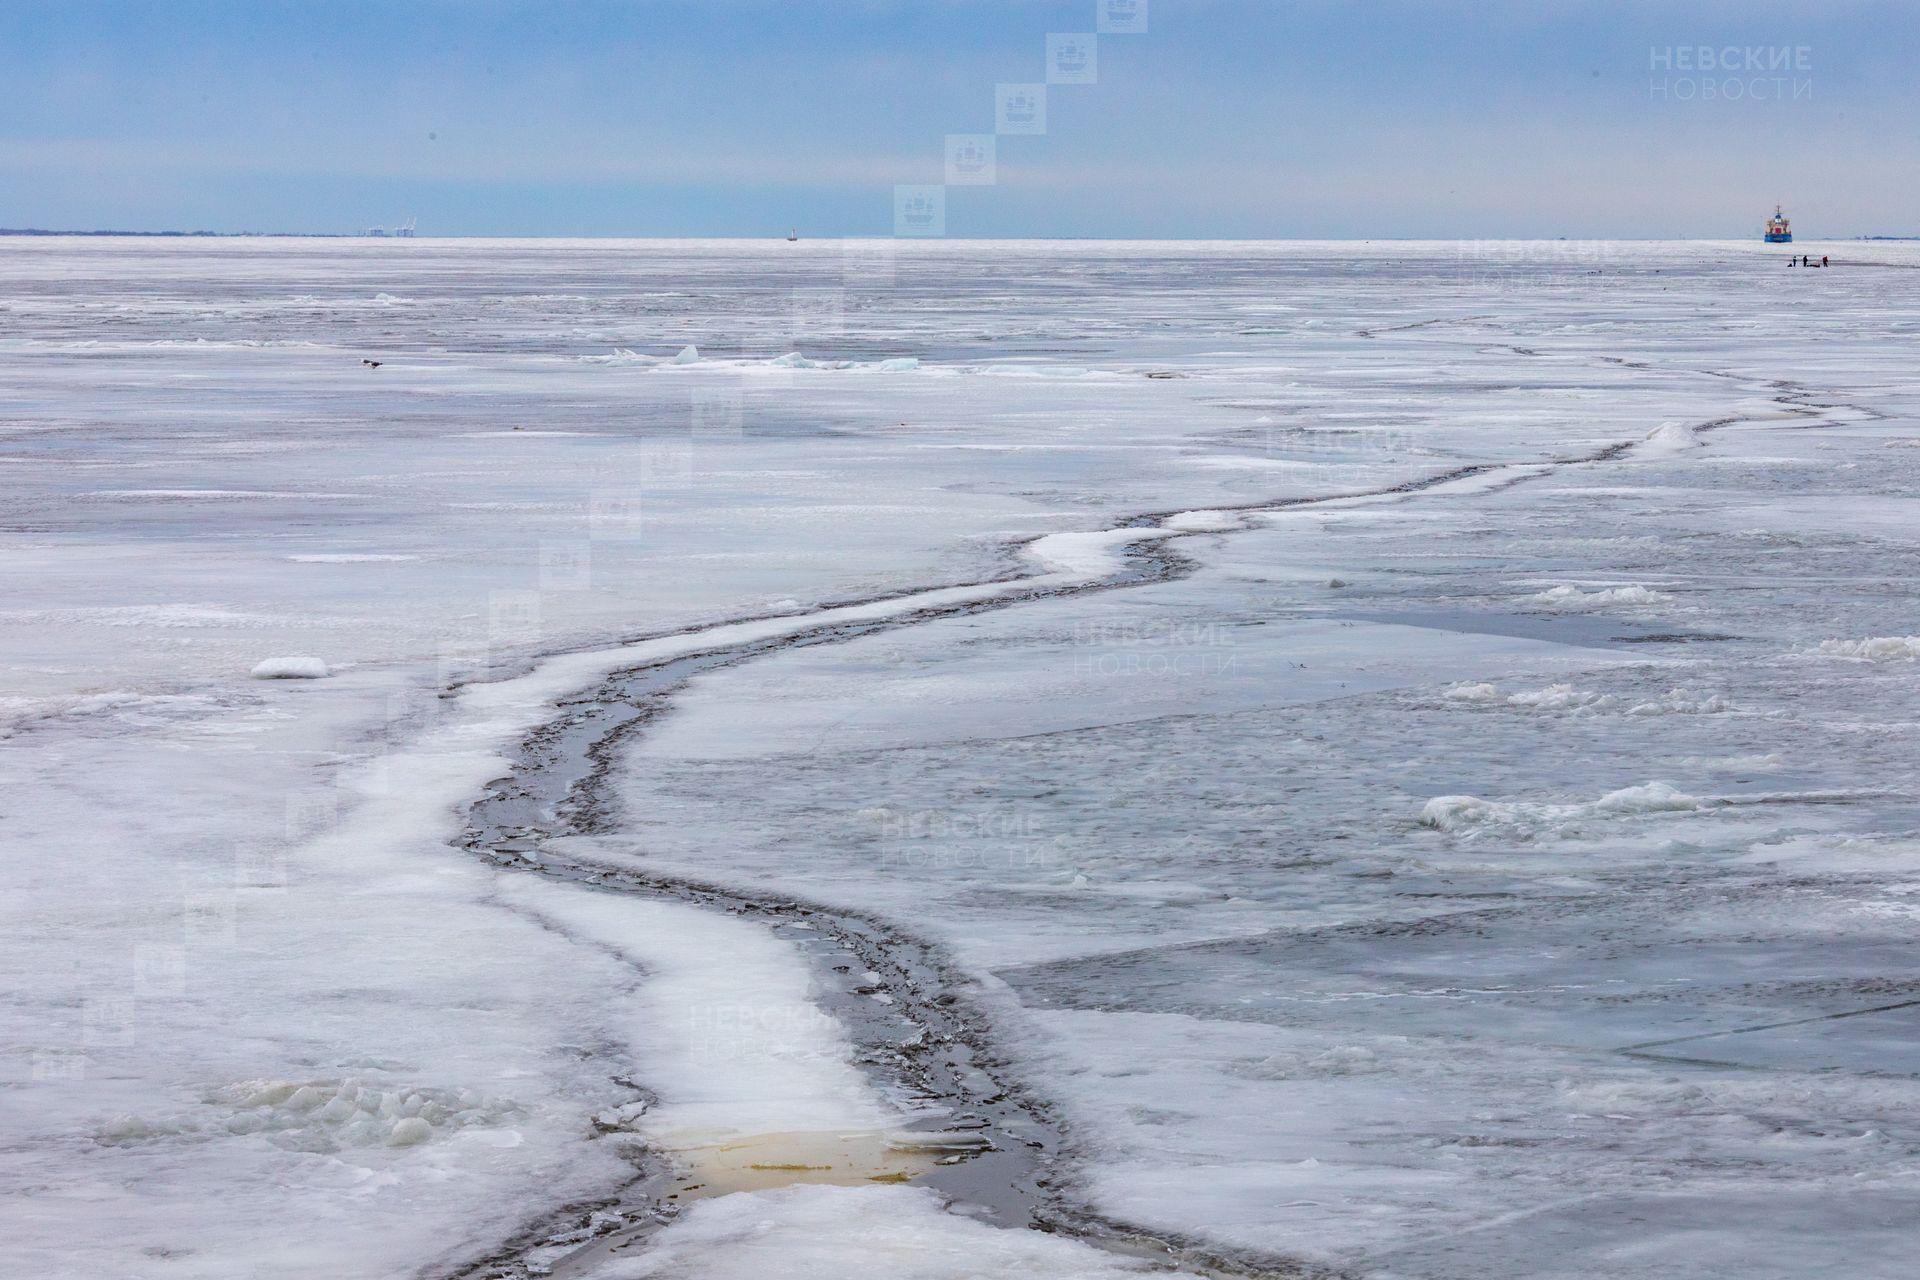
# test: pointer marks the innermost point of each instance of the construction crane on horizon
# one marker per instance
(404, 231)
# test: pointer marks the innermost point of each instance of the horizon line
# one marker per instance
(109, 233)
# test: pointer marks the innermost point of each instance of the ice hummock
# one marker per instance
(293, 667)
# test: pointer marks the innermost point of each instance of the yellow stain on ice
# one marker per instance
(838, 1158)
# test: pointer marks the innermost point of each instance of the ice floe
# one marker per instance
(1466, 813)
(1874, 649)
(1571, 597)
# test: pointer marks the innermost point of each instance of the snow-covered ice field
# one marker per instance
(1472, 834)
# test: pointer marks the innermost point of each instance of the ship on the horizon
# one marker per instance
(1779, 230)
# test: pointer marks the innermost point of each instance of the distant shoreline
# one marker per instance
(202, 235)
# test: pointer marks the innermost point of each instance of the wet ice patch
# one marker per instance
(1874, 649)
(1468, 814)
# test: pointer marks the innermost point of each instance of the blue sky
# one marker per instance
(1264, 118)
